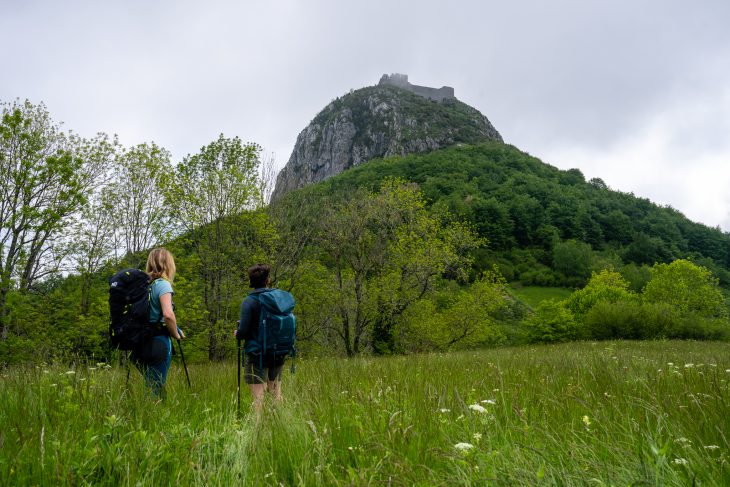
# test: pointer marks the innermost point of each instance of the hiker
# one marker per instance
(262, 371)
(153, 357)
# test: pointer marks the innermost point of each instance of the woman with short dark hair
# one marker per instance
(260, 373)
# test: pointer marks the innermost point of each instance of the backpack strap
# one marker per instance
(149, 300)
(262, 326)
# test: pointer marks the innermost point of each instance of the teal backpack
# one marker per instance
(277, 326)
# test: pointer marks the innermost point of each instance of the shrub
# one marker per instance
(553, 322)
(630, 320)
(640, 321)
(606, 286)
(689, 287)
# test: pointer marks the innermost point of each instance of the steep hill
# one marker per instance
(379, 121)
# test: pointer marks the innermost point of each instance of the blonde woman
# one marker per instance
(154, 356)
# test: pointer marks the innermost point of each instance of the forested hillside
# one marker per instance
(544, 225)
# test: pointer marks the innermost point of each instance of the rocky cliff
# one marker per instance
(378, 121)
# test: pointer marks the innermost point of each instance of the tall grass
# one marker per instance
(611, 413)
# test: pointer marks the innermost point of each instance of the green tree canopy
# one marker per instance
(686, 286)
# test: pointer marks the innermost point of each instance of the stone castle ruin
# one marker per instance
(401, 81)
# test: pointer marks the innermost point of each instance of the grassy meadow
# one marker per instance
(606, 413)
(534, 295)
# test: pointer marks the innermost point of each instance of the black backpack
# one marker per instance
(129, 307)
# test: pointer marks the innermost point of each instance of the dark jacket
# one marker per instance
(248, 324)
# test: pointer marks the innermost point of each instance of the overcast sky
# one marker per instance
(634, 92)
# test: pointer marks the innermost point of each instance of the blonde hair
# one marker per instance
(160, 264)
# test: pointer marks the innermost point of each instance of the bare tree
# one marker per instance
(267, 177)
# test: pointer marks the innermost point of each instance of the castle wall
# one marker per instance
(401, 81)
(437, 94)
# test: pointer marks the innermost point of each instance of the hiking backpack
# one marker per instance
(277, 325)
(129, 308)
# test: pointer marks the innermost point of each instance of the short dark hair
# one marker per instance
(258, 275)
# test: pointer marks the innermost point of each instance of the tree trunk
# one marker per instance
(85, 291)
(4, 312)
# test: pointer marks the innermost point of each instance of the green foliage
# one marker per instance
(464, 318)
(636, 276)
(513, 199)
(680, 301)
(213, 196)
(688, 287)
(134, 196)
(606, 286)
(631, 320)
(553, 322)
(45, 176)
(642, 321)
(387, 252)
(573, 259)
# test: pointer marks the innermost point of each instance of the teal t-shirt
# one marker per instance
(159, 287)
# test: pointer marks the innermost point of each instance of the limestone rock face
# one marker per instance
(377, 122)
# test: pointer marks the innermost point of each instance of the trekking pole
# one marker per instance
(126, 363)
(238, 389)
(182, 357)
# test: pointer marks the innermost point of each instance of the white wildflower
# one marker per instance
(70, 372)
(478, 408)
(680, 461)
(671, 364)
(689, 366)
(711, 447)
(444, 410)
(586, 420)
(477, 436)
(463, 446)
(489, 401)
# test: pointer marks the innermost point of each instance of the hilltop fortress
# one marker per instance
(392, 118)
(401, 81)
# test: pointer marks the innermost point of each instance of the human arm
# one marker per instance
(244, 321)
(168, 314)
